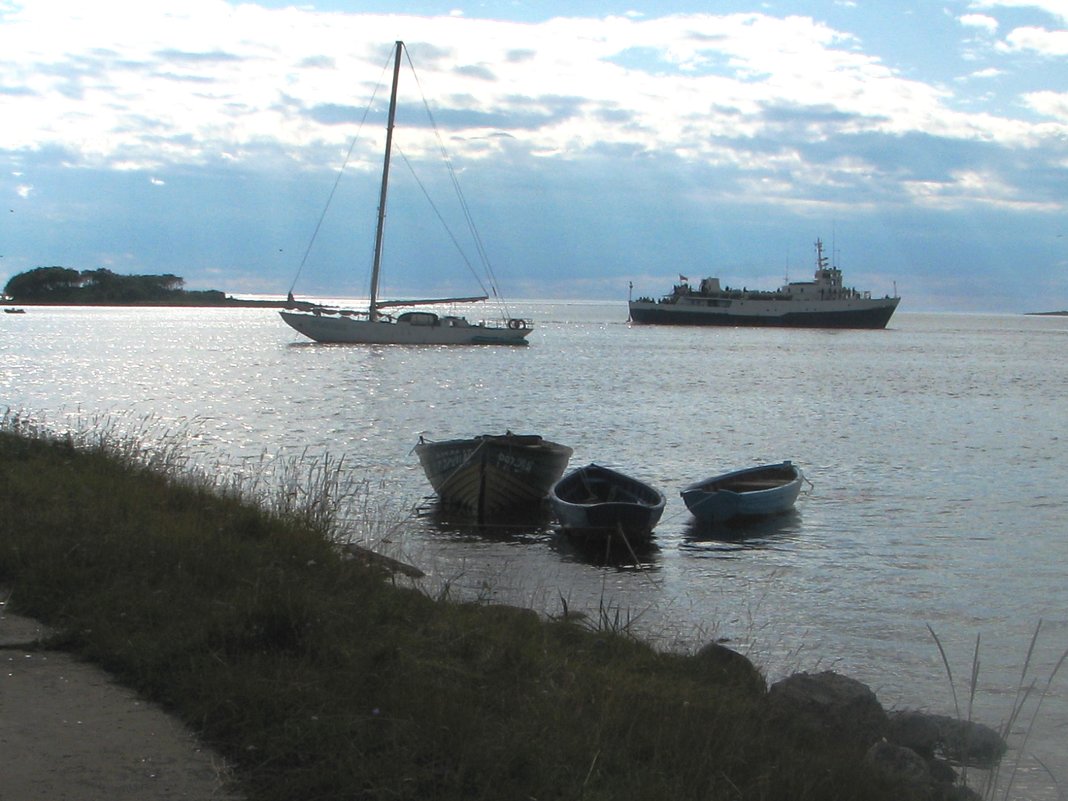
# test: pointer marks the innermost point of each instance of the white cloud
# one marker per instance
(989, 72)
(1050, 104)
(23, 190)
(985, 23)
(969, 188)
(1039, 40)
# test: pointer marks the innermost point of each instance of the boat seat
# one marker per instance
(750, 486)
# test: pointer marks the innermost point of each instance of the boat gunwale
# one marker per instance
(643, 502)
(704, 486)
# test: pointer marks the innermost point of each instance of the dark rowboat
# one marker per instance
(597, 500)
(492, 474)
(752, 492)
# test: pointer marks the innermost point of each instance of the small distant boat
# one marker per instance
(752, 492)
(14, 311)
(492, 474)
(597, 500)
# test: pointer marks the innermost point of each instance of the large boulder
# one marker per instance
(961, 742)
(724, 665)
(898, 763)
(828, 705)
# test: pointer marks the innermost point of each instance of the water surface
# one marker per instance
(934, 448)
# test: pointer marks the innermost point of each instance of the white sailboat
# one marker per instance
(378, 327)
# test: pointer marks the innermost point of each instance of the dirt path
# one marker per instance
(68, 733)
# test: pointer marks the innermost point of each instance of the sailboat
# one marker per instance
(376, 325)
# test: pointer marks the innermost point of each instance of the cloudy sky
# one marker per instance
(597, 143)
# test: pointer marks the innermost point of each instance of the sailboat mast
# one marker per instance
(373, 306)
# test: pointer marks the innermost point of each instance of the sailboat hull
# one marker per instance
(339, 329)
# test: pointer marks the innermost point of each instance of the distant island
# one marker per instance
(1051, 314)
(62, 286)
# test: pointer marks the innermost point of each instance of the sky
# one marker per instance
(599, 145)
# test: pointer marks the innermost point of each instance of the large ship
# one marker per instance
(821, 303)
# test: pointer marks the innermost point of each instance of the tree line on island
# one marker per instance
(63, 285)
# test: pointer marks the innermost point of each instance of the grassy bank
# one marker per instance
(318, 677)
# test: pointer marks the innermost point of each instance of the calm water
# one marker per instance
(935, 450)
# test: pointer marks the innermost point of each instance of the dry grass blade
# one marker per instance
(1034, 713)
(949, 670)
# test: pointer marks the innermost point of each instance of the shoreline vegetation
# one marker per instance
(321, 670)
(61, 286)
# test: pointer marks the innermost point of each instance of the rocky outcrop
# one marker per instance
(724, 665)
(828, 705)
(914, 748)
(961, 742)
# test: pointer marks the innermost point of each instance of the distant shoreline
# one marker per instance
(63, 286)
(192, 303)
(1048, 314)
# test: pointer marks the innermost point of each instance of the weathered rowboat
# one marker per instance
(492, 474)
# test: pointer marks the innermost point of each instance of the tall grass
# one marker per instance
(1028, 699)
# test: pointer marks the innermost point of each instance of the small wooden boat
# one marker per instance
(597, 500)
(492, 474)
(752, 492)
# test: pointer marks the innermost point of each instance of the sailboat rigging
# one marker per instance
(375, 326)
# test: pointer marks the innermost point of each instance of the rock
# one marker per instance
(961, 742)
(915, 730)
(897, 763)
(727, 666)
(953, 792)
(828, 705)
(381, 562)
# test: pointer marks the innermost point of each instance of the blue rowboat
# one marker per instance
(598, 501)
(753, 492)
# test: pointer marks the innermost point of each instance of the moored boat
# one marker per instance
(821, 303)
(376, 325)
(600, 501)
(753, 492)
(492, 474)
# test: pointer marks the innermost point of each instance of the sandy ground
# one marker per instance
(69, 733)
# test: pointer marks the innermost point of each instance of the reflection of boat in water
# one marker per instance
(613, 551)
(527, 525)
(753, 492)
(491, 475)
(752, 533)
(376, 327)
(599, 501)
(821, 303)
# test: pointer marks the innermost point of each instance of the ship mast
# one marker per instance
(821, 260)
(373, 306)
